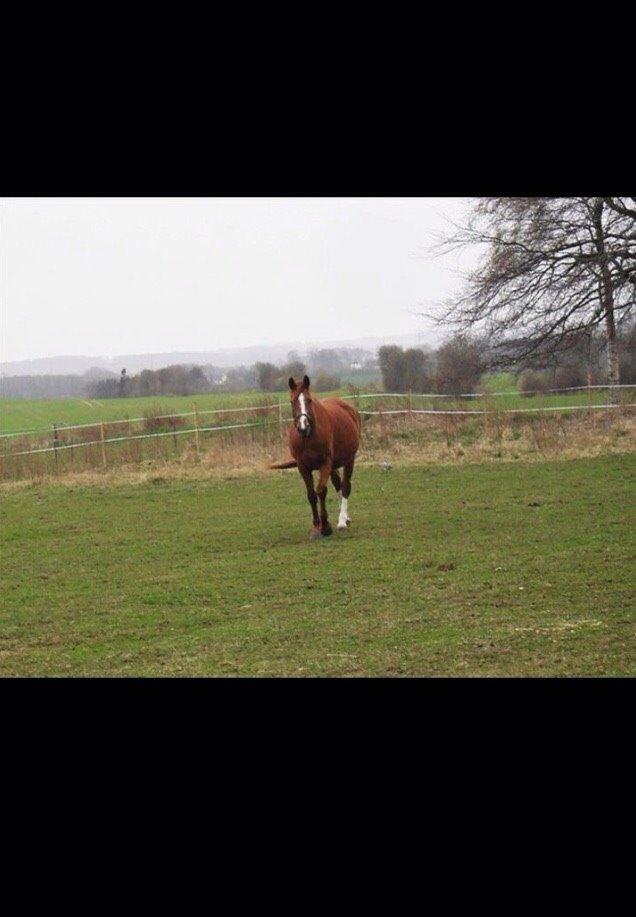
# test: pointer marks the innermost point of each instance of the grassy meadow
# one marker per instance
(38, 416)
(491, 568)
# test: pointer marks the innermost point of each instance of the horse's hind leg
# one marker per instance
(308, 478)
(343, 519)
(337, 483)
(321, 490)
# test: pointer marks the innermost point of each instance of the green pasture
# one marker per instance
(17, 414)
(500, 382)
(493, 569)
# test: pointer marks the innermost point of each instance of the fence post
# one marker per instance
(55, 445)
(103, 439)
(196, 428)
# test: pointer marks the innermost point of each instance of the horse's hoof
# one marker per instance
(314, 533)
(326, 531)
(342, 527)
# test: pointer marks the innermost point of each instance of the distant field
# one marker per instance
(489, 569)
(18, 414)
(500, 382)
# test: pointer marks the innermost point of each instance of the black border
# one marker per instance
(300, 154)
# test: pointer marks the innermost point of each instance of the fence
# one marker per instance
(63, 439)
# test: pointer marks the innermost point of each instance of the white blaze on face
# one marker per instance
(302, 422)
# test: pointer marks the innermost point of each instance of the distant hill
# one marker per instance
(43, 386)
(95, 373)
(224, 357)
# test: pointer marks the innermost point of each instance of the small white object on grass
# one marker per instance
(385, 466)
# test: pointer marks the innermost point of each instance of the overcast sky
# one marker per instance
(106, 276)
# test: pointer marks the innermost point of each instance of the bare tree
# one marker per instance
(552, 269)
(404, 370)
(391, 359)
(293, 367)
(416, 370)
(268, 376)
(460, 363)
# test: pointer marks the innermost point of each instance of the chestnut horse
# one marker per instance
(324, 437)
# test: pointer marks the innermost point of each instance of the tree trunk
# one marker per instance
(606, 291)
(613, 368)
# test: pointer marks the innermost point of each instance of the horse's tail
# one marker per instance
(280, 465)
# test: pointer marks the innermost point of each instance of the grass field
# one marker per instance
(500, 382)
(17, 414)
(483, 569)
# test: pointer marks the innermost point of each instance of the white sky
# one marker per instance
(106, 276)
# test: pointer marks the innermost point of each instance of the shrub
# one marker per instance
(268, 376)
(391, 359)
(404, 370)
(570, 375)
(532, 381)
(460, 363)
(326, 382)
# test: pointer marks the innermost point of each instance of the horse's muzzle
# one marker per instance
(302, 425)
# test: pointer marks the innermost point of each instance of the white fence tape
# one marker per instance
(242, 426)
(571, 407)
(122, 439)
(279, 405)
(549, 391)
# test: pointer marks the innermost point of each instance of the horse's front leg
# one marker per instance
(323, 477)
(308, 478)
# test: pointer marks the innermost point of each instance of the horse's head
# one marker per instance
(302, 410)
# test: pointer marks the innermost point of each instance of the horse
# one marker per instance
(323, 437)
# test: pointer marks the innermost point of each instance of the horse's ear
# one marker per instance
(291, 382)
(305, 381)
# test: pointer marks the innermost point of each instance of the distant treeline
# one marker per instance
(170, 380)
(330, 368)
(456, 367)
(582, 362)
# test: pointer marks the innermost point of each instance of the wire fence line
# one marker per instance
(136, 436)
(547, 391)
(570, 407)
(196, 430)
(280, 405)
